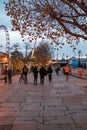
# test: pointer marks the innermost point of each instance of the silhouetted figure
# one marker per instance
(10, 73)
(25, 71)
(35, 72)
(50, 71)
(57, 70)
(5, 74)
(42, 72)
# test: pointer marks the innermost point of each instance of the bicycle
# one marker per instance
(22, 79)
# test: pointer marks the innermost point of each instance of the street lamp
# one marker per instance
(86, 56)
(63, 56)
(66, 57)
(79, 61)
(57, 56)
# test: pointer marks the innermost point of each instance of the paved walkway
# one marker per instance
(58, 105)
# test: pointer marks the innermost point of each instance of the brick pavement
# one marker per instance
(58, 105)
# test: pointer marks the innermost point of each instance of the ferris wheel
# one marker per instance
(2, 27)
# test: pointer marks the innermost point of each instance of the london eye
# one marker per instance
(2, 27)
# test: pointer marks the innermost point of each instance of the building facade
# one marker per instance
(4, 61)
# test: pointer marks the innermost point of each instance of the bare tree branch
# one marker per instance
(62, 18)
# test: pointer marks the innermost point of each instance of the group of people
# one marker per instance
(48, 71)
(43, 72)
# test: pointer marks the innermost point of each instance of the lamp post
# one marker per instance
(63, 56)
(79, 61)
(86, 56)
(57, 56)
(67, 58)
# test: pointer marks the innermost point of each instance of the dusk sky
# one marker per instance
(16, 38)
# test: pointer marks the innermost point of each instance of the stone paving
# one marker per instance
(59, 105)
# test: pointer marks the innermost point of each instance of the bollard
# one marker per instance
(80, 72)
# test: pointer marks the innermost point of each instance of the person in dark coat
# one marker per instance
(42, 72)
(5, 74)
(49, 71)
(35, 72)
(57, 70)
(25, 71)
(10, 73)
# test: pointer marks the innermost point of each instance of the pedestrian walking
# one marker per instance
(25, 71)
(42, 72)
(49, 72)
(35, 73)
(10, 73)
(57, 70)
(5, 74)
(67, 70)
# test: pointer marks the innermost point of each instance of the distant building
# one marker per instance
(74, 62)
(60, 63)
(4, 61)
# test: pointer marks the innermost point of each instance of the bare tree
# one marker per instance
(53, 18)
(43, 54)
(27, 47)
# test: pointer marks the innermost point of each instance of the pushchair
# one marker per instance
(22, 78)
